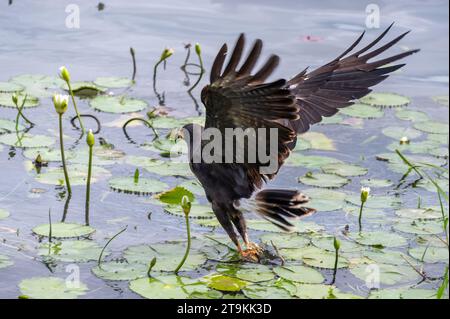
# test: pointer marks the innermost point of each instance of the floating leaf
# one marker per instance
(379, 239)
(344, 169)
(411, 115)
(26, 140)
(321, 291)
(63, 230)
(423, 147)
(440, 152)
(299, 274)
(310, 161)
(160, 167)
(418, 213)
(3, 213)
(326, 242)
(362, 111)
(432, 127)
(301, 227)
(224, 283)
(48, 154)
(302, 145)
(197, 211)
(167, 287)
(113, 82)
(167, 122)
(175, 196)
(420, 227)
(38, 85)
(281, 241)
(72, 250)
(7, 126)
(397, 132)
(77, 174)
(120, 270)
(376, 183)
(440, 138)
(259, 292)
(323, 180)
(389, 274)
(384, 256)
(323, 259)
(374, 201)
(442, 99)
(385, 99)
(51, 288)
(430, 254)
(255, 273)
(84, 88)
(5, 261)
(194, 187)
(318, 141)
(117, 104)
(144, 186)
(403, 293)
(6, 100)
(8, 87)
(325, 200)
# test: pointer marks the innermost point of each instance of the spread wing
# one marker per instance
(337, 84)
(236, 98)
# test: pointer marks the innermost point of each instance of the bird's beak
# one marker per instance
(180, 134)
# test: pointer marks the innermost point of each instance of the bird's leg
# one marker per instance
(252, 252)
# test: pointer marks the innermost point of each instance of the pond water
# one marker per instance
(35, 40)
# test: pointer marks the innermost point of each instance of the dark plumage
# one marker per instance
(238, 98)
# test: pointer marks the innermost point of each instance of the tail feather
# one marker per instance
(281, 206)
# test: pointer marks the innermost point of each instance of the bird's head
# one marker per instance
(192, 134)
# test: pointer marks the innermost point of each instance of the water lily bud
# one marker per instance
(198, 49)
(336, 243)
(404, 140)
(15, 98)
(186, 205)
(166, 54)
(365, 191)
(90, 139)
(60, 102)
(64, 73)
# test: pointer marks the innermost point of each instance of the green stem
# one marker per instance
(76, 108)
(155, 69)
(360, 215)
(336, 260)
(20, 113)
(99, 261)
(63, 158)
(124, 127)
(188, 248)
(202, 71)
(88, 186)
(134, 64)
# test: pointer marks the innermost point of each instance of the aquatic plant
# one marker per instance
(99, 261)
(65, 75)
(90, 141)
(337, 246)
(167, 53)
(150, 266)
(365, 192)
(198, 51)
(61, 102)
(133, 57)
(186, 206)
(15, 100)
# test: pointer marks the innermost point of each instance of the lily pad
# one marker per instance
(418, 213)
(362, 111)
(51, 288)
(344, 169)
(374, 201)
(168, 122)
(324, 259)
(432, 127)
(420, 227)
(197, 211)
(84, 89)
(423, 147)
(9, 87)
(440, 138)
(26, 140)
(167, 287)
(77, 175)
(113, 82)
(224, 283)
(285, 240)
(255, 273)
(379, 239)
(430, 254)
(7, 126)
(397, 132)
(259, 292)
(194, 187)
(300, 274)
(318, 141)
(5, 261)
(323, 180)
(63, 230)
(385, 99)
(411, 115)
(143, 186)
(376, 183)
(321, 291)
(389, 274)
(301, 226)
(326, 242)
(325, 200)
(3, 213)
(72, 250)
(6, 100)
(175, 196)
(120, 270)
(310, 161)
(159, 167)
(38, 85)
(403, 293)
(441, 99)
(48, 154)
(302, 145)
(117, 104)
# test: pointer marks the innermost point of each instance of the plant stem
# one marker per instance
(202, 71)
(188, 247)
(88, 186)
(134, 64)
(20, 113)
(155, 69)
(124, 127)
(76, 108)
(63, 158)
(360, 215)
(336, 260)
(99, 261)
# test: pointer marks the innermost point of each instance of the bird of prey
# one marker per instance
(239, 98)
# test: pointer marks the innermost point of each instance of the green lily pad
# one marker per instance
(440, 138)
(420, 227)
(3, 213)
(113, 82)
(363, 111)
(418, 213)
(194, 187)
(376, 183)
(167, 287)
(411, 115)
(63, 230)
(255, 273)
(440, 152)
(324, 259)
(224, 283)
(7, 126)
(385, 99)
(321, 291)
(84, 89)
(325, 200)
(77, 175)
(299, 274)
(441, 99)
(323, 180)
(117, 104)
(197, 211)
(379, 239)
(374, 201)
(326, 242)
(302, 145)
(389, 274)
(26, 140)
(72, 251)
(344, 169)
(318, 141)
(432, 127)
(258, 292)
(403, 293)
(301, 226)
(281, 241)
(397, 132)
(144, 186)
(384, 256)
(423, 147)
(5, 261)
(430, 254)
(167, 122)
(443, 183)
(175, 196)
(8, 87)
(120, 270)
(159, 167)
(310, 161)
(38, 85)
(371, 213)
(51, 288)
(48, 154)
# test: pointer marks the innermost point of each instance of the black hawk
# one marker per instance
(237, 97)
